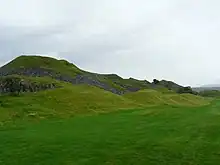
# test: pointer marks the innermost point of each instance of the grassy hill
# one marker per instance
(63, 70)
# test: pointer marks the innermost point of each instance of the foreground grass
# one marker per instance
(153, 136)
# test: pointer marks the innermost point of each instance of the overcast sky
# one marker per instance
(176, 40)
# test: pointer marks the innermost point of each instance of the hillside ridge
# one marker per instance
(62, 70)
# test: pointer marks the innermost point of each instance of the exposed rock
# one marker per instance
(79, 79)
(16, 85)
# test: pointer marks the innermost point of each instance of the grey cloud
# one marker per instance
(146, 39)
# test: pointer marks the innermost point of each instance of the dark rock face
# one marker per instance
(86, 79)
(15, 85)
(79, 79)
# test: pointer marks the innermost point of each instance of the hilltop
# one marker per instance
(62, 70)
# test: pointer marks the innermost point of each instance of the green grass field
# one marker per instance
(155, 135)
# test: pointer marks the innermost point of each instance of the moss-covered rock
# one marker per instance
(16, 85)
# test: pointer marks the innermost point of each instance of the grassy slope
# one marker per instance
(165, 97)
(72, 100)
(153, 136)
(62, 102)
(82, 99)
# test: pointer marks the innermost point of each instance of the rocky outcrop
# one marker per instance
(79, 79)
(16, 85)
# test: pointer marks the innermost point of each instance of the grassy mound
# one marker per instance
(161, 97)
(69, 100)
(62, 102)
(146, 97)
(186, 99)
